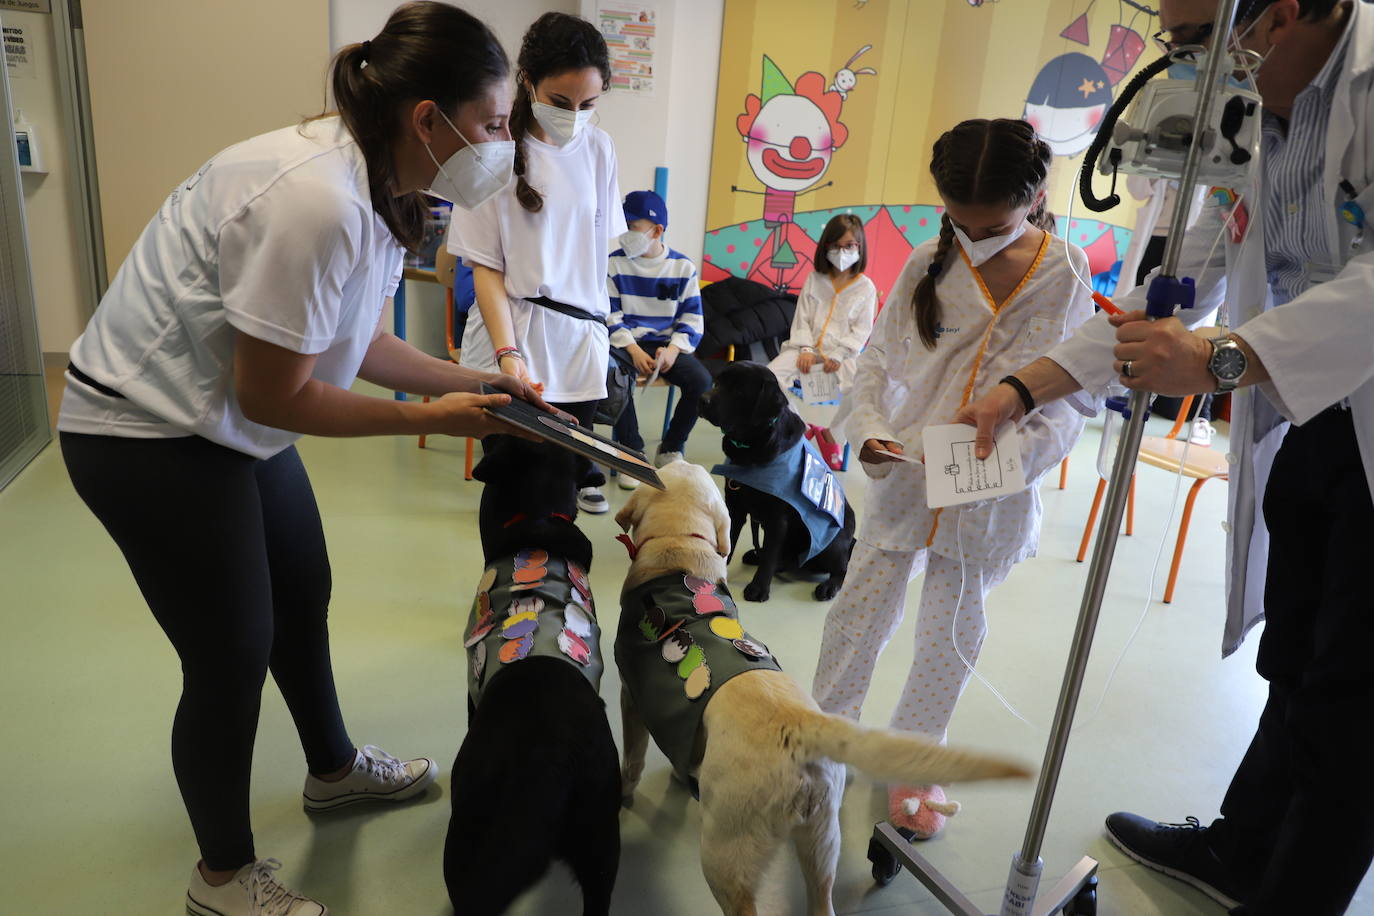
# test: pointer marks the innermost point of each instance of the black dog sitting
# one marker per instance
(537, 777)
(763, 441)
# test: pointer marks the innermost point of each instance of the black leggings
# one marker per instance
(229, 553)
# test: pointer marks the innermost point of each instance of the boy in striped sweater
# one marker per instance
(656, 320)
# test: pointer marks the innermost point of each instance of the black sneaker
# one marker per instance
(1178, 850)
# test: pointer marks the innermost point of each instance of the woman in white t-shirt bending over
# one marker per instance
(238, 322)
(539, 249)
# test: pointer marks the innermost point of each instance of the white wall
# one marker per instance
(355, 20)
(49, 200)
(690, 115)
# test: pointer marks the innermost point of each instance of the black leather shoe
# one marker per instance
(1178, 850)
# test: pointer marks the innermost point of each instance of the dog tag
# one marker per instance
(698, 682)
(694, 659)
(675, 647)
(750, 649)
(574, 648)
(727, 628)
(488, 580)
(518, 626)
(576, 620)
(517, 649)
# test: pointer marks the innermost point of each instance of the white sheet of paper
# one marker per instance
(910, 459)
(658, 369)
(819, 386)
(955, 476)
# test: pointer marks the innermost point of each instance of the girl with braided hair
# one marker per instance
(539, 249)
(993, 291)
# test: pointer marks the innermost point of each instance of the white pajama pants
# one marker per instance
(868, 610)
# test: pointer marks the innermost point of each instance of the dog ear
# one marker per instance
(630, 514)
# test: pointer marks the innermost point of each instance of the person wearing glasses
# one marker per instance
(1296, 831)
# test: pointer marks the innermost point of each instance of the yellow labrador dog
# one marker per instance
(767, 760)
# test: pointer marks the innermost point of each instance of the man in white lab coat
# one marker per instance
(1297, 828)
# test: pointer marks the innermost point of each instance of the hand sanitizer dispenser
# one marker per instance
(30, 155)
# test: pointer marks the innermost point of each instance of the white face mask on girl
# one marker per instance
(634, 243)
(981, 252)
(842, 258)
(472, 175)
(559, 124)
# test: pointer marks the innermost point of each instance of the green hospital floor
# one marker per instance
(92, 822)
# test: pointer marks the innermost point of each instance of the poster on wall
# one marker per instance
(630, 30)
(18, 53)
(27, 6)
(830, 106)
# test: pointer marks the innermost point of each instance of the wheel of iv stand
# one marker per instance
(1084, 902)
(885, 865)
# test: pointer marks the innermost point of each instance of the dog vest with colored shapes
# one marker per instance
(802, 479)
(532, 604)
(679, 639)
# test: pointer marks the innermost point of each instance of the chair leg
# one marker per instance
(1130, 509)
(668, 413)
(467, 458)
(1064, 474)
(1182, 537)
(424, 437)
(1092, 519)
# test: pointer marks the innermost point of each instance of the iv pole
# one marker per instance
(1077, 889)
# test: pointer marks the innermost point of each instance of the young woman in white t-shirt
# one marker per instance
(237, 323)
(539, 249)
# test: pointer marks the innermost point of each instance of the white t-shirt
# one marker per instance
(275, 237)
(560, 253)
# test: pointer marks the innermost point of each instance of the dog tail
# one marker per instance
(896, 756)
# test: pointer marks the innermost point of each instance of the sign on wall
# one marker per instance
(18, 53)
(27, 6)
(631, 31)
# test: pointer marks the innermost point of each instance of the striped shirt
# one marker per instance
(1296, 215)
(654, 300)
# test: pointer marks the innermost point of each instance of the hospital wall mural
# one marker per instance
(831, 106)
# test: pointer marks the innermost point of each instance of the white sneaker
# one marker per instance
(591, 499)
(1202, 433)
(663, 459)
(376, 777)
(253, 891)
(627, 482)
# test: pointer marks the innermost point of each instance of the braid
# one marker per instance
(923, 299)
(522, 112)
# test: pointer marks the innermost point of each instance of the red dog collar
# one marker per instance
(633, 549)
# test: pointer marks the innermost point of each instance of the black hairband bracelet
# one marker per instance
(1027, 401)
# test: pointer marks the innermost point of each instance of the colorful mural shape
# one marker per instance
(815, 147)
(1072, 92)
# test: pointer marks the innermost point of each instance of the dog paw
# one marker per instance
(750, 558)
(756, 592)
(828, 589)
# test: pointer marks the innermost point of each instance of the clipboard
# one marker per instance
(575, 438)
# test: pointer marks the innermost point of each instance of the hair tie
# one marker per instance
(367, 50)
(934, 269)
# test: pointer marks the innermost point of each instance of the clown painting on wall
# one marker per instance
(794, 147)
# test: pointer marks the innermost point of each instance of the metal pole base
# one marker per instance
(1075, 894)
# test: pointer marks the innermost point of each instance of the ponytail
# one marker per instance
(923, 300)
(426, 51)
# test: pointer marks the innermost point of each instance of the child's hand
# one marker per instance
(667, 357)
(832, 365)
(805, 360)
(644, 363)
(869, 452)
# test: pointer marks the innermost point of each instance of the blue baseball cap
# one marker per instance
(646, 205)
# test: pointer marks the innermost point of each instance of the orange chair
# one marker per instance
(1166, 452)
(444, 269)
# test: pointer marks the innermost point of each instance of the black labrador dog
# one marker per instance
(749, 406)
(537, 777)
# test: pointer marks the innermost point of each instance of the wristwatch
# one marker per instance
(1228, 363)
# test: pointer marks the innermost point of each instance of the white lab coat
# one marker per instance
(901, 387)
(837, 324)
(1318, 349)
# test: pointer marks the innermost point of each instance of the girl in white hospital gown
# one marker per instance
(991, 294)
